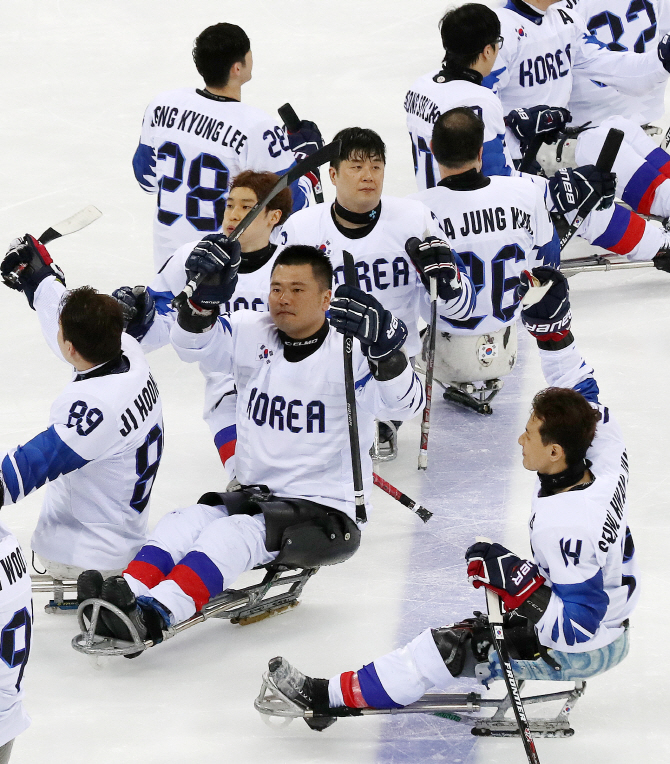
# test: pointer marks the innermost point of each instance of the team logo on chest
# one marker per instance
(264, 353)
(325, 248)
(521, 32)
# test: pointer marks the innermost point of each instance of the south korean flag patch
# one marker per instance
(264, 353)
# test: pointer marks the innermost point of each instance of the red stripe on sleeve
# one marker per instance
(631, 237)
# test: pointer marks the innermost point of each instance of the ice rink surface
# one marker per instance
(76, 78)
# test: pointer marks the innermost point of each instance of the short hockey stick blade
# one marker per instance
(606, 159)
(74, 223)
(292, 123)
(403, 498)
(309, 164)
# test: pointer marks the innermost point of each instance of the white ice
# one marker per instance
(76, 77)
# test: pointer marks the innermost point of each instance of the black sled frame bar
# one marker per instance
(242, 606)
(464, 708)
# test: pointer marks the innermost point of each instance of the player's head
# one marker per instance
(358, 171)
(218, 49)
(248, 188)
(468, 32)
(560, 430)
(90, 327)
(300, 290)
(458, 137)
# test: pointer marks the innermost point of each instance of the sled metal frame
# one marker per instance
(461, 707)
(46, 584)
(476, 398)
(236, 605)
(380, 454)
(572, 266)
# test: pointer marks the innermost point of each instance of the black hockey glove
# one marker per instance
(219, 260)
(664, 52)
(549, 318)
(571, 188)
(496, 568)
(525, 124)
(26, 264)
(433, 258)
(139, 310)
(661, 261)
(353, 311)
(305, 140)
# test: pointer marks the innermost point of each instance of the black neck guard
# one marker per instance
(297, 350)
(470, 180)
(118, 365)
(358, 218)
(355, 233)
(532, 14)
(252, 261)
(451, 71)
(551, 484)
(206, 94)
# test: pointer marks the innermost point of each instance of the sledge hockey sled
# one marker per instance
(46, 584)
(385, 450)
(570, 267)
(242, 606)
(465, 708)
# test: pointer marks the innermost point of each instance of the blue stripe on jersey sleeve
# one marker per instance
(373, 690)
(493, 158)
(589, 389)
(144, 166)
(43, 458)
(163, 301)
(363, 381)
(226, 435)
(550, 253)
(584, 605)
(10, 479)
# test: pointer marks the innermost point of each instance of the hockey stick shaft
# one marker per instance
(608, 154)
(309, 164)
(403, 498)
(529, 156)
(72, 224)
(430, 365)
(351, 279)
(292, 124)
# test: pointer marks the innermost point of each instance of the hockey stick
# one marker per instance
(403, 498)
(531, 153)
(608, 154)
(351, 279)
(323, 155)
(430, 365)
(494, 607)
(292, 124)
(70, 225)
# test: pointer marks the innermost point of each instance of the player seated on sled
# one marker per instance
(568, 606)
(293, 448)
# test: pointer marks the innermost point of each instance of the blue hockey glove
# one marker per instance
(549, 318)
(26, 264)
(495, 567)
(353, 311)
(571, 188)
(305, 140)
(139, 310)
(525, 124)
(663, 50)
(433, 258)
(219, 259)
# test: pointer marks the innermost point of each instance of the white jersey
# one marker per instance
(498, 230)
(384, 268)
(432, 95)
(16, 619)
(580, 538)
(292, 432)
(542, 50)
(192, 146)
(622, 25)
(99, 456)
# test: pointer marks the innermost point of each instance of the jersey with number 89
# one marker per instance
(200, 143)
(99, 456)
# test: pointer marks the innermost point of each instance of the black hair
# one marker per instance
(216, 49)
(466, 31)
(358, 143)
(458, 134)
(302, 254)
(93, 323)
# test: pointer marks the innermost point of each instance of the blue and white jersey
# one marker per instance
(580, 538)
(621, 25)
(16, 622)
(542, 52)
(292, 432)
(98, 456)
(432, 95)
(499, 230)
(384, 268)
(192, 146)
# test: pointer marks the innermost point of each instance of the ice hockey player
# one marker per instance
(195, 141)
(545, 44)
(499, 226)
(568, 607)
(149, 311)
(102, 448)
(16, 618)
(292, 437)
